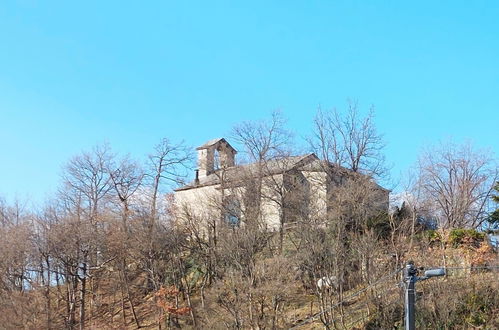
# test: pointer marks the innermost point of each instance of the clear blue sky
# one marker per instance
(74, 74)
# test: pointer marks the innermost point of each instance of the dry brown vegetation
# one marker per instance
(109, 251)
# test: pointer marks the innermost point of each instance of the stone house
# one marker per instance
(277, 191)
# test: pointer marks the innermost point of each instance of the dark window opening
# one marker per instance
(232, 212)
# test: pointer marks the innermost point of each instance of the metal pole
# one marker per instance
(410, 296)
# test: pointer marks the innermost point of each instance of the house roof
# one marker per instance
(241, 172)
(212, 142)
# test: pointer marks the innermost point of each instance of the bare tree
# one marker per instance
(265, 139)
(267, 144)
(169, 162)
(126, 178)
(458, 181)
(349, 140)
(87, 186)
(87, 174)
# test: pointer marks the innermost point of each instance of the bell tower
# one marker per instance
(214, 155)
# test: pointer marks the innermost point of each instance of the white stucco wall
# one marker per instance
(205, 202)
(202, 202)
(318, 193)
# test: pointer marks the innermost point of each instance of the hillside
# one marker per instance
(466, 298)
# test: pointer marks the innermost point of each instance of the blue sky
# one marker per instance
(75, 74)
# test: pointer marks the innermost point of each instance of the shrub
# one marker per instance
(433, 236)
(460, 236)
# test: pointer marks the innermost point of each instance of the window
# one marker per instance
(232, 211)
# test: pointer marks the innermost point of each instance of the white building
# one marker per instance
(280, 190)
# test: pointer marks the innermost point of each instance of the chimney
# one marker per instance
(196, 181)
